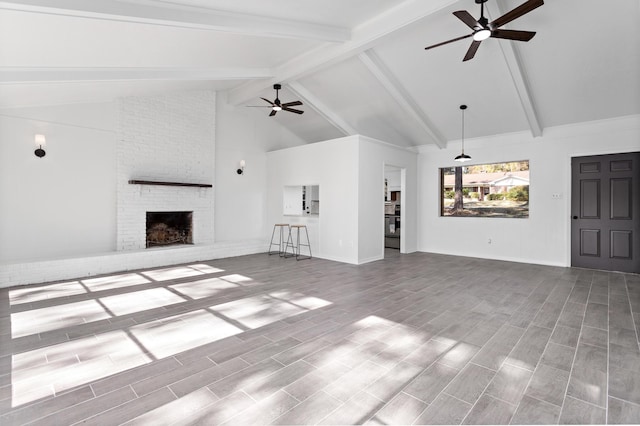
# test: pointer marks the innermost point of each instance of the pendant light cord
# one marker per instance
(463, 130)
(462, 157)
(462, 108)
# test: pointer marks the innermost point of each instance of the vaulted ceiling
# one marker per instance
(359, 66)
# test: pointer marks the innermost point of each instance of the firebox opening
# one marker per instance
(169, 228)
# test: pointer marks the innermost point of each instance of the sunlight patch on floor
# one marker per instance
(206, 269)
(177, 272)
(179, 333)
(447, 341)
(203, 288)
(176, 411)
(71, 364)
(56, 317)
(114, 281)
(374, 327)
(31, 294)
(257, 311)
(237, 279)
(306, 302)
(459, 354)
(138, 301)
(373, 336)
(51, 370)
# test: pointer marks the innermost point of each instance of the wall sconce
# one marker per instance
(40, 142)
(241, 167)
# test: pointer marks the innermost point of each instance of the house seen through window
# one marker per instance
(485, 190)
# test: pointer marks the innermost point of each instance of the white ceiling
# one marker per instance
(359, 66)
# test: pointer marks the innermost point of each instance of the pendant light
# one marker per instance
(462, 157)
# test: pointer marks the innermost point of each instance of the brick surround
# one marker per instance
(165, 138)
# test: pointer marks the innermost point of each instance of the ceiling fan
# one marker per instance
(483, 29)
(277, 106)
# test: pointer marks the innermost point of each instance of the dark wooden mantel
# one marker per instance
(155, 182)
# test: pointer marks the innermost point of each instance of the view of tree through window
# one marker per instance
(485, 190)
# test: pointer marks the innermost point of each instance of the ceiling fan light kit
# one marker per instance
(482, 34)
(483, 29)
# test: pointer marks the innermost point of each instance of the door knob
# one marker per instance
(575, 217)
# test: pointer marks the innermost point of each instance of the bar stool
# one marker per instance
(295, 249)
(281, 243)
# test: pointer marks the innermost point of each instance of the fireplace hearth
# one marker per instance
(169, 228)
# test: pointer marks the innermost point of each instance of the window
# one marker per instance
(485, 190)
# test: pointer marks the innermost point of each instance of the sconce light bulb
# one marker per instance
(40, 140)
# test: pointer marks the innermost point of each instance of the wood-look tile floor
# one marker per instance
(418, 338)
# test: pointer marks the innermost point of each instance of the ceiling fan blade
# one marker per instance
(516, 13)
(448, 41)
(267, 100)
(294, 103)
(273, 112)
(513, 34)
(466, 17)
(297, 111)
(472, 50)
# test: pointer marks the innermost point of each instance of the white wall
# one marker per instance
(40, 241)
(544, 237)
(63, 204)
(241, 200)
(374, 155)
(333, 165)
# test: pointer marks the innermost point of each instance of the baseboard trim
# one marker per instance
(502, 258)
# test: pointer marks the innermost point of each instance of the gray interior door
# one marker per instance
(605, 204)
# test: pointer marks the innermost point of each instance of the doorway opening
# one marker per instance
(394, 211)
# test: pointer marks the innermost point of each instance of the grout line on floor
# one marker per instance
(566, 389)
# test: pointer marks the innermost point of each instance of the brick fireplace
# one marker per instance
(158, 171)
